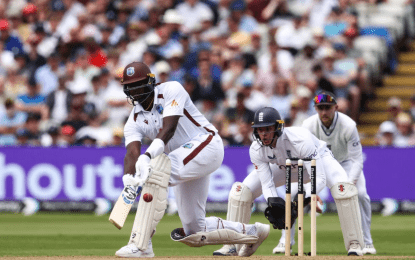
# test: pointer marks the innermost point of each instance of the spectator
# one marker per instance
(59, 101)
(405, 135)
(22, 137)
(339, 79)
(33, 101)
(177, 72)
(47, 75)
(412, 108)
(97, 95)
(84, 70)
(350, 68)
(293, 36)
(11, 42)
(232, 79)
(51, 138)
(321, 80)
(14, 84)
(32, 126)
(303, 65)
(394, 107)
(281, 99)
(117, 137)
(67, 135)
(254, 99)
(208, 88)
(194, 9)
(101, 134)
(163, 70)
(386, 134)
(304, 111)
(244, 135)
(240, 112)
(79, 108)
(10, 121)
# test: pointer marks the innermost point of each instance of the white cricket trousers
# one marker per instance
(364, 202)
(191, 166)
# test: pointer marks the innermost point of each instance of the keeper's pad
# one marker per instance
(216, 237)
(347, 203)
(240, 202)
(150, 213)
(239, 205)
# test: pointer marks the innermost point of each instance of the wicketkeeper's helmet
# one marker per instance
(267, 116)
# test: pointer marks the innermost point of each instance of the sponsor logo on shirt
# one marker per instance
(311, 156)
(174, 103)
(355, 144)
(160, 109)
(188, 145)
(289, 154)
(272, 157)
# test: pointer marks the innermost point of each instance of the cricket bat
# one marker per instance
(123, 205)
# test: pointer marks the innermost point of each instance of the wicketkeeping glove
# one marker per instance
(275, 212)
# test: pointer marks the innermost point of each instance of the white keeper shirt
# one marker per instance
(342, 139)
(295, 142)
(170, 99)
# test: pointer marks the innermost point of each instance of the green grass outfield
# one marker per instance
(54, 234)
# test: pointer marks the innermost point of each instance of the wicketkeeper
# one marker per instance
(272, 146)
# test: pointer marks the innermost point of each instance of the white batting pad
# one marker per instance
(216, 237)
(150, 213)
(345, 196)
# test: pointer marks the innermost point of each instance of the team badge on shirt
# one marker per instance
(160, 109)
(188, 145)
(130, 71)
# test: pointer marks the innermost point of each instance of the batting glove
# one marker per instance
(130, 180)
(143, 168)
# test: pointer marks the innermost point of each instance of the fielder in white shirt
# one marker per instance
(272, 146)
(340, 133)
(165, 114)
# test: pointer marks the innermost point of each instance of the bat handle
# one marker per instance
(139, 189)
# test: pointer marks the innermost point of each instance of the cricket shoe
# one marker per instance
(132, 251)
(280, 248)
(369, 249)
(262, 233)
(355, 249)
(226, 250)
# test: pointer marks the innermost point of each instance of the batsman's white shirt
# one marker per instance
(295, 142)
(342, 139)
(195, 150)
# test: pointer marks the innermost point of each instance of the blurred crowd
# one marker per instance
(399, 129)
(61, 62)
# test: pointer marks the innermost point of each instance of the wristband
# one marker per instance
(156, 148)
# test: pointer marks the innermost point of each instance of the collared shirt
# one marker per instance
(342, 138)
(295, 142)
(170, 99)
